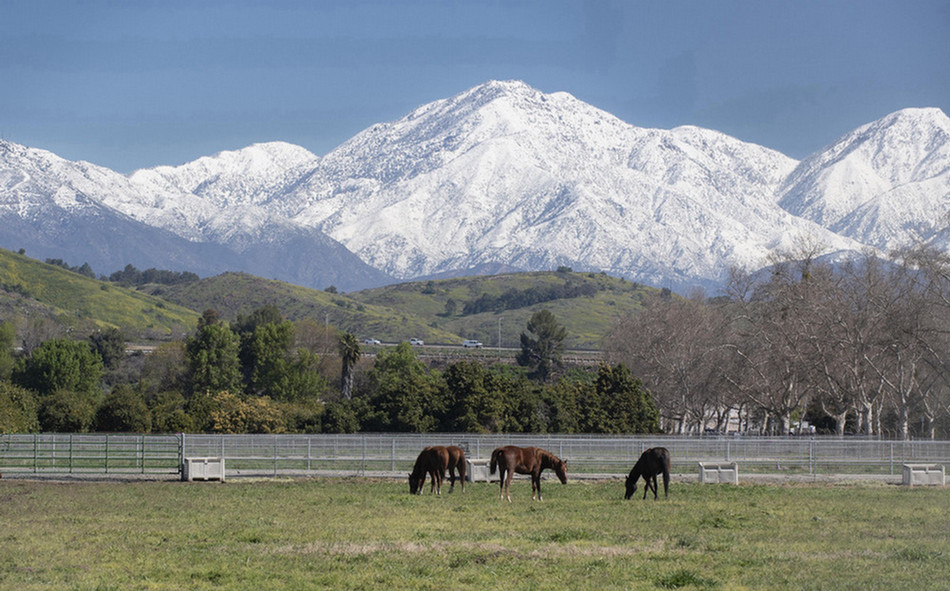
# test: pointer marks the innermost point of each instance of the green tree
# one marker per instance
(7, 337)
(60, 365)
(407, 397)
(349, 355)
(109, 344)
(168, 414)
(473, 406)
(67, 412)
(123, 410)
(213, 361)
(18, 409)
(628, 406)
(542, 351)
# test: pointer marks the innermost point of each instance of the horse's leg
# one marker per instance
(451, 478)
(536, 485)
(666, 484)
(508, 476)
(654, 487)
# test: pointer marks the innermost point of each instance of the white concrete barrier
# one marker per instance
(203, 469)
(477, 471)
(924, 474)
(715, 473)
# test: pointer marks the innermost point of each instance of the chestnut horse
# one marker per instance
(434, 461)
(653, 461)
(525, 460)
(456, 464)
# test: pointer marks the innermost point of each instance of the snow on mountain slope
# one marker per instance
(506, 174)
(886, 184)
(80, 212)
(221, 198)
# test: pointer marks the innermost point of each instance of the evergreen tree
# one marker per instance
(542, 352)
(213, 361)
(109, 344)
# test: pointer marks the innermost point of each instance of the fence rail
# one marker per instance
(387, 454)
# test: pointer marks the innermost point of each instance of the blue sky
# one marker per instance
(137, 84)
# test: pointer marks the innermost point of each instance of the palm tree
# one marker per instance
(349, 355)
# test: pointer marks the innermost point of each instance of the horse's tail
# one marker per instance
(494, 460)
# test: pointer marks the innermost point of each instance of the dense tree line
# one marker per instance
(862, 346)
(130, 276)
(264, 374)
(514, 299)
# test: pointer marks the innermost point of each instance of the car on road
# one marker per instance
(371, 342)
(472, 344)
(415, 341)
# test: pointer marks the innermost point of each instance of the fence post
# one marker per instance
(393, 455)
(34, 452)
(275, 455)
(811, 456)
(363, 458)
(892, 457)
(309, 454)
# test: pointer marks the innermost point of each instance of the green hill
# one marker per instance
(234, 294)
(486, 307)
(30, 289)
(492, 308)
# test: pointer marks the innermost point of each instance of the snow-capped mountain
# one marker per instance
(505, 176)
(76, 211)
(885, 184)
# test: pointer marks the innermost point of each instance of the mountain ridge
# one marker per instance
(505, 176)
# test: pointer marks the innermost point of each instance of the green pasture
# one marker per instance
(371, 534)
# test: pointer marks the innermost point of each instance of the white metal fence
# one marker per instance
(394, 454)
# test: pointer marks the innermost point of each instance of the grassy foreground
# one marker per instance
(363, 534)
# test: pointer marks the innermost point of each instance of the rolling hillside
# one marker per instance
(30, 289)
(493, 309)
(586, 303)
(500, 305)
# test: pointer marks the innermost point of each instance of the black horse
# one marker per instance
(653, 461)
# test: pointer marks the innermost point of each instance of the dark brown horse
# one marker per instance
(525, 460)
(435, 460)
(432, 462)
(653, 461)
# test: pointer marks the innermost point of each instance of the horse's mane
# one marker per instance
(548, 460)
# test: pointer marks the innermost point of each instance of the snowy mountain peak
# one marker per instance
(503, 174)
(886, 183)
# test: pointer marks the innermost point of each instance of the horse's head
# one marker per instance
(631, 485)
(414, 484)
(560, 468)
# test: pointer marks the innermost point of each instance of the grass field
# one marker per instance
(366, 534)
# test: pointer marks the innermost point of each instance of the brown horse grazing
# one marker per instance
(431, 461)
(525, 460)
(653, 461)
